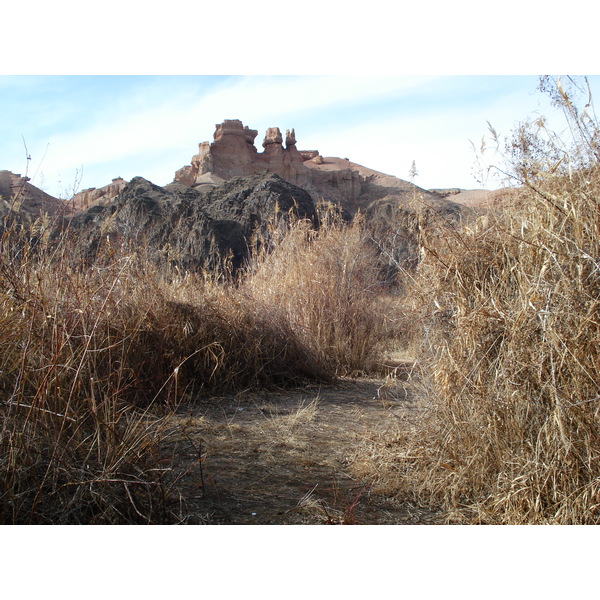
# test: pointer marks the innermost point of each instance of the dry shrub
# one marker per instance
(513, 345)
(93, 358)
(325, 283)
(91, 361)
(248, 344)
(71, 449)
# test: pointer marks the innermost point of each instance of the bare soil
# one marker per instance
(293, 457)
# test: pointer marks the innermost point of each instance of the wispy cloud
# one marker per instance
(175, 114)
(151, 126)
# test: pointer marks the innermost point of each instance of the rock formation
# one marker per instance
(273, 140)
(189, 227)
(290, 138)
(98, 196)
(17, 194)
(391, 205)
(233, 154)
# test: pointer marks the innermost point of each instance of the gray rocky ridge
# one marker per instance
(230, 190)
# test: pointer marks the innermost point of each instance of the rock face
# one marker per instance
(189, 227)
(193, 227)
(98, 196)
(290, 138)
(18, 195)
(233, 154)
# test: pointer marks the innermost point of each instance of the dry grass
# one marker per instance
(93, 359)
(327, 286)
(507, 308)
(281, 427)
(511, 309)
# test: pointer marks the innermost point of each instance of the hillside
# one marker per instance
(30, 200)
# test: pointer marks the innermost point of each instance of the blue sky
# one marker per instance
(129, 88)
(101, 126)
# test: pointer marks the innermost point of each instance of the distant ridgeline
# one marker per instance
(230, 188)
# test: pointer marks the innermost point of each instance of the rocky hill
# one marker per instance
(189, 227)
(230, 190)
(19, 196)
(98, 196)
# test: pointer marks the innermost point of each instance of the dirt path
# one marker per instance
(291, 457)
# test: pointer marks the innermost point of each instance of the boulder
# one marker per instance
(234, 127)
(290, 138)
(273, 136)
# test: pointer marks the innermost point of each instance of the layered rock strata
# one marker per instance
(233, 154)
(98, 196)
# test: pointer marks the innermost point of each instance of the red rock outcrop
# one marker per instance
(94, 196)
(233, 154)
(15, 189)
(273, 137)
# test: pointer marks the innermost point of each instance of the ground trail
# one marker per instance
(291, 457)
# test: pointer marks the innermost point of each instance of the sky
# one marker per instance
(82, 131)
(126, 88)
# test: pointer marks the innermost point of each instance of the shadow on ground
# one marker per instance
(293, 457)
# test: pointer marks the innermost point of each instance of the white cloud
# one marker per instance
(169, 120)
(155, 129)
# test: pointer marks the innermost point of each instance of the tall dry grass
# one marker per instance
(327, 284)
(512, 328)
(71, 450)
(93, 358)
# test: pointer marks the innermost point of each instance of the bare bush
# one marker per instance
(326, 285)
(512, 316)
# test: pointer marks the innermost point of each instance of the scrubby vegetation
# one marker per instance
(92, 359)
(328, 285)
(510, 306)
